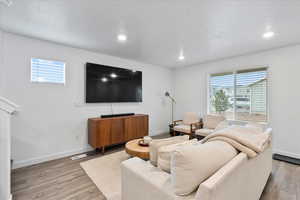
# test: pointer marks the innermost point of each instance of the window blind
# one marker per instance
(47, 71)
(251, 95)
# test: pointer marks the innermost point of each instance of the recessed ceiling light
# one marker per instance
(268, 35)
(104, 79)
(113, 75)
(122, 37)
(181, 57)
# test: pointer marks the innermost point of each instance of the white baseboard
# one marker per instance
(285, 153)
(25, 163)
(10, 197)
(37, 160)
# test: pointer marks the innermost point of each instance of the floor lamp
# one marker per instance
(167, 94)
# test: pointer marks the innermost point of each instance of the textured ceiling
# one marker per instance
(158, 30)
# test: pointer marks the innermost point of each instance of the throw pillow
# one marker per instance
(193, 164)
(157, 143)
(164, 154)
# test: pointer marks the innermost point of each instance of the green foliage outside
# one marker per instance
(220, 101)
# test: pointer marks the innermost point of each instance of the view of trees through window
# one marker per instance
(240, 95)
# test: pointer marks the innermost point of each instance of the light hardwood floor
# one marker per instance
(64, 179)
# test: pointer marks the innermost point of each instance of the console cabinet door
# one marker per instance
(117, 131)
(99, 133)
(104, 131)
(136, 127)
(93, 133)
(130, 130)
(145, 124)
(141, 125)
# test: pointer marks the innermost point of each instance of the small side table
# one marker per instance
(134, 149)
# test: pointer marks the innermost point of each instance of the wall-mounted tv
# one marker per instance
(106, 84)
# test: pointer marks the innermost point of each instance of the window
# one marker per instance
(240, 95)
(222, 94)
(47, 71)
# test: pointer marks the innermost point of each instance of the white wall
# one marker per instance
(1, 63)
(52, 121)
(284, 95)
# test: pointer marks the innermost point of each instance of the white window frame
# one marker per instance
(235, 72)
(47, 82)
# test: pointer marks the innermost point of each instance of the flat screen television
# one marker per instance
(106, 84)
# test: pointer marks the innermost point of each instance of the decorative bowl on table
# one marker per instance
(143, 143)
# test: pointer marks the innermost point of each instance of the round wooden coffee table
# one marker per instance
(134, 149)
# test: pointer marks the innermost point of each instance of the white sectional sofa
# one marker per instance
(239, 179)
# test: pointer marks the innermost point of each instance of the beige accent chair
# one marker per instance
(190, 123)
(239, 179)
(210, 122)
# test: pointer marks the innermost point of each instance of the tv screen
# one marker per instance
(112, 84)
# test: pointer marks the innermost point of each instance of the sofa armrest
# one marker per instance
(241, 178)
(140, 179)
(208, 189)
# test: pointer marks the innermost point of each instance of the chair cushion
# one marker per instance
(212, 121)
(183, 128)
(193, 164)
(164, 154)
(190, 117)
(157, 143)
(204, 131)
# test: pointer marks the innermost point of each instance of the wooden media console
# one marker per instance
(103, 132)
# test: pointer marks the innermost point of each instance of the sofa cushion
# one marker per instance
(212, 121)
(183, 128)
(164, 154)
(204, 131)
(193, 164)
(157, 143)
